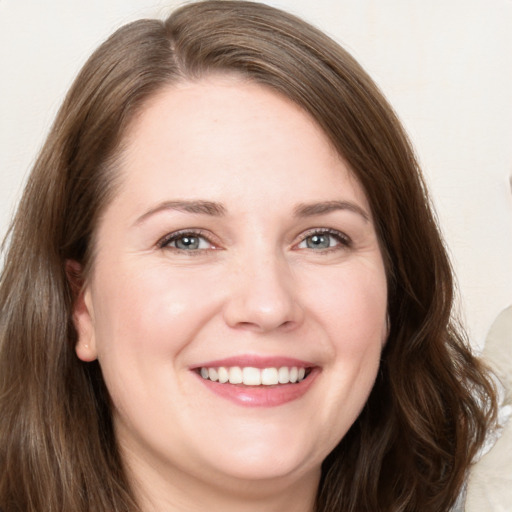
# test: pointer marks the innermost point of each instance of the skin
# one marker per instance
(150, 312)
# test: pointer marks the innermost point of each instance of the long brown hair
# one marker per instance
(432, 402)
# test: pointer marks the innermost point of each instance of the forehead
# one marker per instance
(223, 134)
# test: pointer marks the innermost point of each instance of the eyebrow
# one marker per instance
(312, 209)
(218, 210)
(199, 207)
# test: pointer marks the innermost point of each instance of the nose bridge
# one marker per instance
(263, 292)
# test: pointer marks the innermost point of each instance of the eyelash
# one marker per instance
(164, 243)
(344, 240)
(167, 240)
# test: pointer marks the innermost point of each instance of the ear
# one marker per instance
(83, 314)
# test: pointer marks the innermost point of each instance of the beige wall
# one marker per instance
(444, 64)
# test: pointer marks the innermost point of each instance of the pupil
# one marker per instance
(188, 242)
(317, 241)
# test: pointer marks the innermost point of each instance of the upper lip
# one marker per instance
(255, 361)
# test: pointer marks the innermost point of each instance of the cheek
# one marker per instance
(352, 306)
(144, 322)
(352, 311)
(149, 310)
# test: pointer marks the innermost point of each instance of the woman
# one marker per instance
(225, 287)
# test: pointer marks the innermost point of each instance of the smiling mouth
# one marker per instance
(250, 376)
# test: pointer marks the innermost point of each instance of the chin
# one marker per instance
(272, 453)
(263, 470)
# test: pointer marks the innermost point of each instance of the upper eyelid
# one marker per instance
(169, 237)
(328, 231)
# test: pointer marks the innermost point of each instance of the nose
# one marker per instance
(263, 296)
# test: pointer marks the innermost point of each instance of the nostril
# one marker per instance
(262, 326)
(289, 324)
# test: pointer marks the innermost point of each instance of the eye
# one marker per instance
(324, 239)
(186, 241)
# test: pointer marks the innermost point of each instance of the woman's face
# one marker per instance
(238, 247)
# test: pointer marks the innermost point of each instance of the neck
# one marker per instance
(177, 491)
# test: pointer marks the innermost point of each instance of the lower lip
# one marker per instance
(261, 396)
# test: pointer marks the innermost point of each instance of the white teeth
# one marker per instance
(235, 375)
(284, 375)
(269, 376)
(223, 375)
(250, 376)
